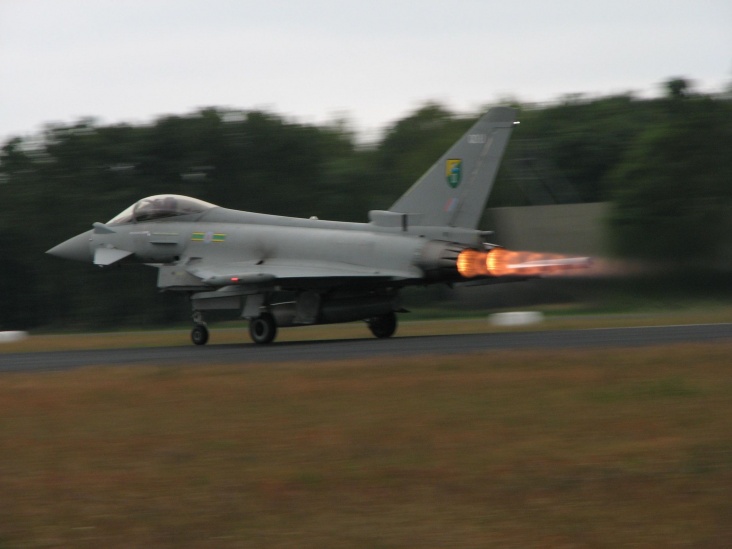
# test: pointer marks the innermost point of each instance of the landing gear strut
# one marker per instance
(263, 328)
(383, 326)
(199, 333)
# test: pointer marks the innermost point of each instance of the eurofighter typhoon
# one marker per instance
(281, 271)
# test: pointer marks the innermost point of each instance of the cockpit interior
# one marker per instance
(160, 206)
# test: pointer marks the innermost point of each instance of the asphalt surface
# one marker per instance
(320, 351)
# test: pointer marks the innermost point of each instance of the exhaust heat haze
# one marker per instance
(502, 262)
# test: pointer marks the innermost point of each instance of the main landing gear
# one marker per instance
(199, 333)
(263, 328)
(383, 326)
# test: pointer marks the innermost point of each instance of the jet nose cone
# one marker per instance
(77, 248)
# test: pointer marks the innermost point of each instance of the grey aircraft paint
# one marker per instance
(331, 271)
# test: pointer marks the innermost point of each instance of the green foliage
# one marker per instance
(673, 188)
(665, 163)
(56, 185)
(412, 145)
(563, 153)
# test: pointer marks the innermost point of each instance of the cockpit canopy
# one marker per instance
(160, 206)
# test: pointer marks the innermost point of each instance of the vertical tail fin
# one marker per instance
(454, 190)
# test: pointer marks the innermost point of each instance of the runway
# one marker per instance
(320, 351)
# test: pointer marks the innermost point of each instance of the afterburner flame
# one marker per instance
(502, 262)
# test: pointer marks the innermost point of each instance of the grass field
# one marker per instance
(616, 448)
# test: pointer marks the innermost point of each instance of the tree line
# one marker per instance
(664, 164)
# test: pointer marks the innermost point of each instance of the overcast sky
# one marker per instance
(374, 61)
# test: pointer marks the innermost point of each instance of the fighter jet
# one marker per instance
(281, 271)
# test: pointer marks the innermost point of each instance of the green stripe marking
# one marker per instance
(208, 237)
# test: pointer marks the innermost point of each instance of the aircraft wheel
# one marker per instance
(199, 334)
(263, 328)
(383, 326)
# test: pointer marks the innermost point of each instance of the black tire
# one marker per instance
(263, 328)
(199, 334)
(383, 326)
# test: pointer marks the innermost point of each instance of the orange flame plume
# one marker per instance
(502, 262)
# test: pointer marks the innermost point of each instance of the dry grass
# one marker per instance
(502, 449)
